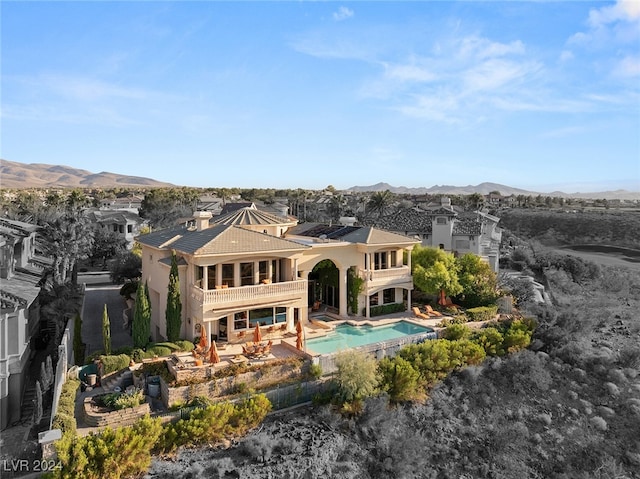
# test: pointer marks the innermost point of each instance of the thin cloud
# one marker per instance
(342, 14)
(564, 132)
(628, 67)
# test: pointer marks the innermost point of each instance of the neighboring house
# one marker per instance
(441, 226)
(249, 267)
(20, 273)
(130, 203)
(126, 224)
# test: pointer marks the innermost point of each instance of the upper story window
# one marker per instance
(227, 275)
(246, 274)
(441, 220)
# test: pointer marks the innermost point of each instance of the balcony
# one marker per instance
(221, 301)
(386, 276)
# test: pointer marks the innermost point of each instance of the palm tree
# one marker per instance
(380, 201)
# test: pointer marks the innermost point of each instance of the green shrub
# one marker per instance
(482, 313)
(491, 340)
(456, 331)
(111, 364)
(122, 400)
(159, 351)
(315, 371)
(385, 309)
(399, 379)
(128, 350)
(185, 345)
(200, 401)
(167, 344)
(65, 416)
(356, 375)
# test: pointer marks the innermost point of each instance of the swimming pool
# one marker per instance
(346, 336)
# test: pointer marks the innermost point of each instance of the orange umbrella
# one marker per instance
(213, 353)
(257, 335)
(299, 336)
(203, 337)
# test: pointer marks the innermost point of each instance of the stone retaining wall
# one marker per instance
(122, 417)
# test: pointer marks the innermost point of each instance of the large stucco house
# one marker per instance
(250, 267)
(441, 226)
(20, 272)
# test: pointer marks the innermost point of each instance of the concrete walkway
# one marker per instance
(95, 299)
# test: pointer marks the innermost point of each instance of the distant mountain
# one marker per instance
(486, 188)
(37, 175)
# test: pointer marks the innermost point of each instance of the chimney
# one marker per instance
(444, 201)
(347, 220)
(202, 219)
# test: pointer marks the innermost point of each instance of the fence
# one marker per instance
(381, 349)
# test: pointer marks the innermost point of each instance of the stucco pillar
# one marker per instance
(343, 292)
(367, 307)
(208, 325)
(205, 278)
(408, 300)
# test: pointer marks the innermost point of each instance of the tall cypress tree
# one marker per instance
(174, 306)
(106, 331)
(78, 345)
(141, 318)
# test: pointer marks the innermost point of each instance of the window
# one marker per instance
(211, 277)
(263, 270)
(246, 274)
(199, 275)
(462, 244)
(380, 260)
(393, 261)
(227, 275)
(129, 228)
(373, 300)
(240, 320)
(389, 296)
(441, 220)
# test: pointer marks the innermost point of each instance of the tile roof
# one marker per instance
(352, 234)
(17, 228)
(467, 227)
(231, 207)
(442, 211)
(407, 220)
(19, 291)
(250, 216)
(219, 239)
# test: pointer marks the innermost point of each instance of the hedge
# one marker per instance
(385, 309)
(112, 364)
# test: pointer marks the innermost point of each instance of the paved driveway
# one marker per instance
(95, 299)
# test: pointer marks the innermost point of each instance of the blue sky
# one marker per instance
(537, 95)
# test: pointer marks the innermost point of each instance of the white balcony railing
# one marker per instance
(253, 293)
(389, 275)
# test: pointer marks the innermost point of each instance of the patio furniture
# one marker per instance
(418, 314)
(431, 312)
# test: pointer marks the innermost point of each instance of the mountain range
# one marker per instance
(38, 175)
(486, 188)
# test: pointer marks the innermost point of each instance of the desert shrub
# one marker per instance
(482, 313)
(185, 345)
(517, 336)
(356, 375)
(491, 340)
(315, 371)
(200, 401)
(399, 379)
(122, 400)
(459, 318)
(456, 331)
(123, 452)
(65, 422)
(258, 447)
(112, 363)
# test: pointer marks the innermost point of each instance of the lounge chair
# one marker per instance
(431, 312)
(418, 314)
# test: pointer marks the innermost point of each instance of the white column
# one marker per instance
(343, 292)
(236, 275)
(208, 323)
(408, 300)
(367, 310)
(205, 278)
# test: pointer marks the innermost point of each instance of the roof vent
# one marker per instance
(202, 219)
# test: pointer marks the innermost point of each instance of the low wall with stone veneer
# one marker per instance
(214, 388)
(121, 417)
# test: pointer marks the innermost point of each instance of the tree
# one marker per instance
(174, 306)
(141, 327)
(106, 331)
(336, 206)
(125, 266)
(78, 345)
(163, 206)
(476, 201)
(106, 245)
(357, 375)
(435, 271)
(479, 282)
(380, 201)
(400, 379)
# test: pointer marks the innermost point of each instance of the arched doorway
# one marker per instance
(324, 285)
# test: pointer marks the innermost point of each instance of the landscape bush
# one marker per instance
(356, 375)
(117, 400)
(482, 313)
(456, 331)
(129, 289)
(112, 363)
(185, 345)
(385, 309)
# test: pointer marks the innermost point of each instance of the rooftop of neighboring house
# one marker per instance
(250, 215)
(19, 292)
(350, 234)
(16, 228)
(118, 217)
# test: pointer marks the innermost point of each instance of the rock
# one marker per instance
(544, 418)
(617, 376)
(631, 373)
(574, 411)
(606, 411)
(599, 423)
(536, 438)
(612, 389)
(633, 457)
(573, 395)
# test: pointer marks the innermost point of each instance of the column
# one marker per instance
(343, 292)
(408, 300)
(205, 278)
(236, 274)
(367, 306)
(208, 324)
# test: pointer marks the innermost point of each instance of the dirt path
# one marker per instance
(609, 259)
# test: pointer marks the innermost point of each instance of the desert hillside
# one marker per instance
(37, 175)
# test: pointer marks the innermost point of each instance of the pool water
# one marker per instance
(346, 336)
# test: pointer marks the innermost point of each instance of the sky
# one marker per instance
(537, 95)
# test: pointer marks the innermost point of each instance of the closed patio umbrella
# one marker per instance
(257, 335)
(203, 337)
(442, 300)
(214, 358)
(299, 335)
